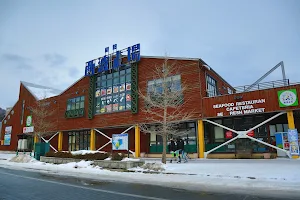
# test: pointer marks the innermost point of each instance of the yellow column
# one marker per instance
(36, 139)
(201, 147)
(60, 141)
(291, 124)
(137, 141)
(93, 140)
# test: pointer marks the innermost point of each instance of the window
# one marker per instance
(113, 91)
(156, 86)
(155, 89)
(75, 103)
(79, 140)
(211, 85)
(186, 131)
(229, 90)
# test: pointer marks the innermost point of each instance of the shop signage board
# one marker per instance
(113, 60)
(282, 142)
(288, 98)
(293, 141)
(120, 141)
(28, 129)
(7, 135)
(241, 107)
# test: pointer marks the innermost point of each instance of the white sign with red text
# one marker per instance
(28, 129)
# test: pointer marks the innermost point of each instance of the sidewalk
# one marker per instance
(277, 178)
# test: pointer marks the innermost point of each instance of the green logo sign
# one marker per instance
(29, 121)
(287, 98)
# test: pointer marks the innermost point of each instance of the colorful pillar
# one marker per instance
(60, 141)
(137, 141)
(291, 124)
(201, 147)
(36, 139)
(93, 140)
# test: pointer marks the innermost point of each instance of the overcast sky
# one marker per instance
(48, 42)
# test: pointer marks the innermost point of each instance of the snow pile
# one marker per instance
(157, 167)
(83, 152)
(23, 158)
(130, 159)
(107, 159)
(78, 165)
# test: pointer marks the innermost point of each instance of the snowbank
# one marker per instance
(270, 177)
(130, 159)
(78, 165)
(150, 167)
(22, 158)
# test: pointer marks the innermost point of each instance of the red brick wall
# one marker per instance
(192, 76)
(15, 119)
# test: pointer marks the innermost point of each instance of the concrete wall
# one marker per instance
(101, 163)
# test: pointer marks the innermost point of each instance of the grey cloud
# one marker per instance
(14, 58)
(55, 59)
(17, 61)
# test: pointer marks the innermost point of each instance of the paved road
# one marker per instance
(24, 185)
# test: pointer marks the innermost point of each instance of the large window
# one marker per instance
(79, 140)
(155, 87)
(113, 91)
(187, 131)
(75, 103)
(211, 85)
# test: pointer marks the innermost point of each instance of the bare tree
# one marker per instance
(164, 106)
(41, 113)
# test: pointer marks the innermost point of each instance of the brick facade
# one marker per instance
(192, 73)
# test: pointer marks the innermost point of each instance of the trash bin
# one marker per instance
(40, 149)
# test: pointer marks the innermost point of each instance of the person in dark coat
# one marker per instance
(180, 148)
(172, 149)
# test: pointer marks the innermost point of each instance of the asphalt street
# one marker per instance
(24, 185)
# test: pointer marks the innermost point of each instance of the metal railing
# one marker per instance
(262, 86)
(253, 87)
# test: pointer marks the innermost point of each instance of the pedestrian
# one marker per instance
(172, 149)
(180, 148)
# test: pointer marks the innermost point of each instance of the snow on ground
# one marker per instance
(6, 155)
(130, 159)
(22, 158)
(266, 177)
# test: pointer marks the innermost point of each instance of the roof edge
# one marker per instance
(71, 85)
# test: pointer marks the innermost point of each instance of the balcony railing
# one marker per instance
(262, 86)
(253, 87)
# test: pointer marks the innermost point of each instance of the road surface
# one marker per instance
(24, 185)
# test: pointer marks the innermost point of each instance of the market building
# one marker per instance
(106, 101)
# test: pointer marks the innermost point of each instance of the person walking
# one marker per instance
(172, 149)
(180, 148)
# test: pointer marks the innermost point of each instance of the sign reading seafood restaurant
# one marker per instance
(242, 107)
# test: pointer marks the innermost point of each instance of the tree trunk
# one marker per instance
(164, 153)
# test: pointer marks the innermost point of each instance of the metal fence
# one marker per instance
(254, 87)
(262, 86)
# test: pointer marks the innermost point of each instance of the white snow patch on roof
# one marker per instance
(41, 92)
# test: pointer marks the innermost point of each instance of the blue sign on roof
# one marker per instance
(113, 60)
